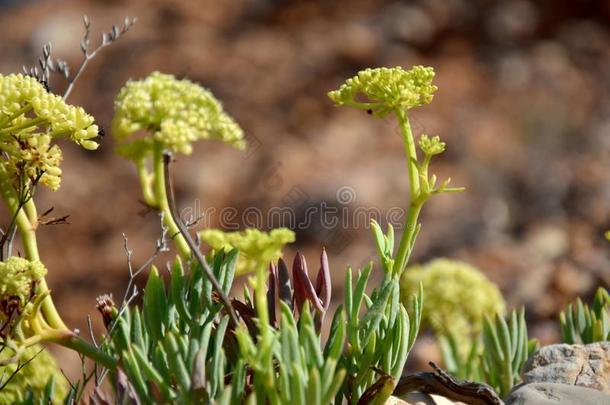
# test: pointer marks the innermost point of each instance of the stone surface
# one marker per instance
(582, 365)
(417, 398)
(396, 401)
(555, 394)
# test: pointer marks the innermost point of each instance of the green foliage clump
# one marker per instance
(458, 297)
(496, 357)
(34, 379)
(506, 348)
(173, 349)
(583, 325)
(387, 89)
(31, 118)
(18, 277)
(256, 248)
(177, 112)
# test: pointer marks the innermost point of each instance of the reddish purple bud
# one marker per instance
(303, 289)
(271, 292)
(283, 281)
(247, 314)
(323, 282)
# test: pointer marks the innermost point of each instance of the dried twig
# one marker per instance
(107, 39)
(441, 383)
(18, 369)
(191, 243)
(47, 65)
(131, 291)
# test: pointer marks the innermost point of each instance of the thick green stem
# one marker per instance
(408, 238)
(163, 204)
(410, 151)
(30, 247)
(146, 180)
(417, 199)
(31, 212)
(260, 298)
(58, 332)
(72, 341)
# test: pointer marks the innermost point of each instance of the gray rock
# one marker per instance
(555, 394)
(582, 365)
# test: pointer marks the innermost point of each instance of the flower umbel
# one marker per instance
(458, 297)
(386, 89)
(431, 146)
(30, 119)
(177, 112)
(18, 277)
(256, 248)
(33, 377)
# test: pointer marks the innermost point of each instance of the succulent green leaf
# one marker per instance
(155, 305)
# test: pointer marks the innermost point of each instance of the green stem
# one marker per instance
(30, 247)
(408, 238)
(417, 199)
(32, 214)
(163, 204)
(410, 151)
(28, 124)
(72, 341)
(260, 298)
(145, 183)
(59, 332)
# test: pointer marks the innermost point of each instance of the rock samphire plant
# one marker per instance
(190, 339)
(31, 121)
(190, 342)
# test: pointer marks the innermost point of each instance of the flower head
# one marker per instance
(177, 112)
(458, 296)
(33, 376)
(30, 119)
(431, 146)
(383, 90)
(256, 248)
(18, 276)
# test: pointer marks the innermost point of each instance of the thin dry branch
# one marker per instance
(441, 383)
(191, 243)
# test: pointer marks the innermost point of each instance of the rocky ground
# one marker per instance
(522, 103)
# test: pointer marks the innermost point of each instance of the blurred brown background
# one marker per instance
(523, 104)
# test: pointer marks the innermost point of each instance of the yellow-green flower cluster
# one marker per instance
(177, 112)
(35, 155)
(256, 248)
(458, 297)
(30, 118)
(383, 90)
(33, 376)
(431, 146)
(17, 277)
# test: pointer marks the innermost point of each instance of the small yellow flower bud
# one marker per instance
(431, 146)
(256, 248)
